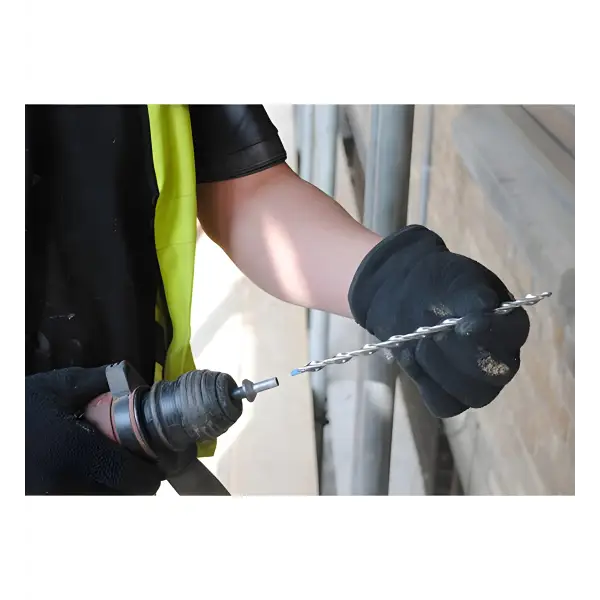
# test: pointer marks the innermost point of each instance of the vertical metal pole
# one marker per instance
(306, 141)
(298, 110)
(386, 206)
(369, 204)
(322, 176)
(325, 154)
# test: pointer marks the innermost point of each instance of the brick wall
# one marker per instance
(524, 442)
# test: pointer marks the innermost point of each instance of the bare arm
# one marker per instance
(289, 238)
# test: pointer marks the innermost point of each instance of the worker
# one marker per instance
(112, 198)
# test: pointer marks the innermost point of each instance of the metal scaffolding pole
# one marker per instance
(318, 166)
(306, 122)
(386, 206)
(323, 177)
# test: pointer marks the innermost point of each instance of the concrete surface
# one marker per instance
(524, 442)
(239, 329)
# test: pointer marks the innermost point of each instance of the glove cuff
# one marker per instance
(390, 260)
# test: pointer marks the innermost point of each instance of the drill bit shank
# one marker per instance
(249, 390)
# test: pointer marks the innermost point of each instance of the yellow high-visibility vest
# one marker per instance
(175, 237)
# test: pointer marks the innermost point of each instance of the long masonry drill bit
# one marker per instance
(421, 332)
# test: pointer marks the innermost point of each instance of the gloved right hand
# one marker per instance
(411, 279)
(64, 454)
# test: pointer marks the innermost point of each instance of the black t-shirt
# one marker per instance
(91, 269)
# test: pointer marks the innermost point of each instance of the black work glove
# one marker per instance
(411, 279)
(65, 454)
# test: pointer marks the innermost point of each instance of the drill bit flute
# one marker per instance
(421, 332)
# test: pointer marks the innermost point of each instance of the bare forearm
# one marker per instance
(288, 237)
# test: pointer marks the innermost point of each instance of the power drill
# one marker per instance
(165, 421)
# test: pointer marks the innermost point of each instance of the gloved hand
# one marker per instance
(66, 455)
(411, 279)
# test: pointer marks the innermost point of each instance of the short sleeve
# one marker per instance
(233, 140)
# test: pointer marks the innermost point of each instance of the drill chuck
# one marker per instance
(196, 407)
(169, 416)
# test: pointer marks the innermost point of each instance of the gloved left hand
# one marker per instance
(411, 279)
(66, 455)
